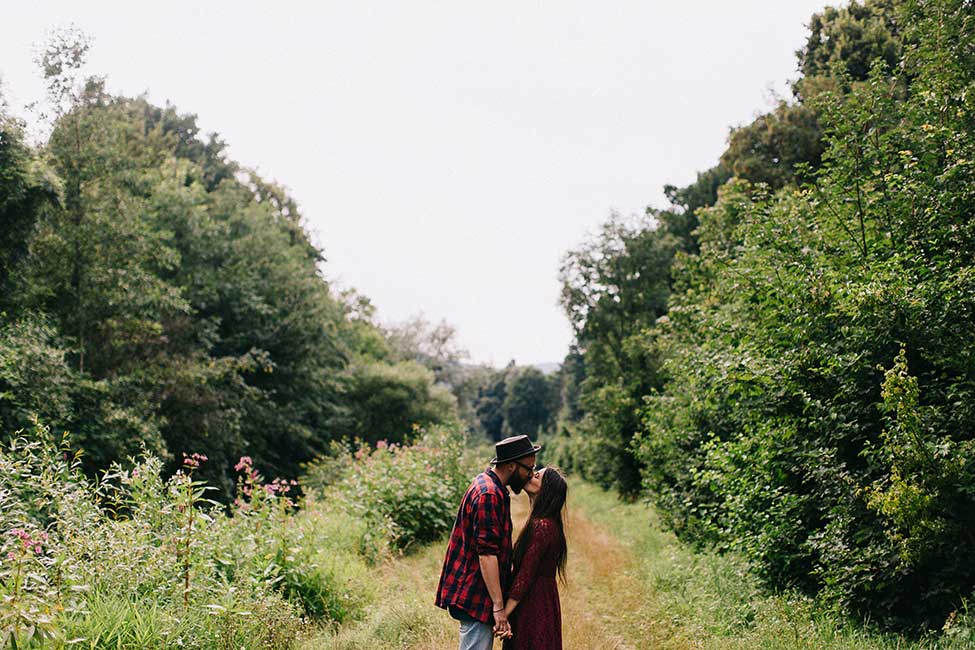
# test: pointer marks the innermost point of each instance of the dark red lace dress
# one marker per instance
(537, 621)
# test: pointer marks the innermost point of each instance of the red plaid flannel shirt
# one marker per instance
(483, 527)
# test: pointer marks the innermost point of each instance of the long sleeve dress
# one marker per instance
(536, 623)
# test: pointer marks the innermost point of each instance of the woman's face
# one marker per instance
(534, 484)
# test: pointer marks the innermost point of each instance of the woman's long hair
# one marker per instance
(548, 504)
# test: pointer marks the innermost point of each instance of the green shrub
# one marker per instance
(139, 561)
(408, 494)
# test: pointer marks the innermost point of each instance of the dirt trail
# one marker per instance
(604, 604)
(598, 600)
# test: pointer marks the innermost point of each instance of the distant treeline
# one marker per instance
(154, 293)
(784, 358)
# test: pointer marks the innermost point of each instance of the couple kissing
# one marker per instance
(494, 588)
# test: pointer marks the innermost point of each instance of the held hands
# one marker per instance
(502, 628)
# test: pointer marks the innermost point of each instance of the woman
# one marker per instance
(539, 553)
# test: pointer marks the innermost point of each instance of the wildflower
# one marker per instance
(193, 461)
(244, 462)
(30, 543)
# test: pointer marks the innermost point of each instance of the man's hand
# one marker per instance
(502, 628)
(489, 571)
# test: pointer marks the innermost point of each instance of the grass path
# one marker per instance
(598, 602)
(631, 586)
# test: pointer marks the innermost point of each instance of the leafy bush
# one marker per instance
(407, 494)
(139, 561)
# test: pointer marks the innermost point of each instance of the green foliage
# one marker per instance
(776, 147)
(155, 294)
(776, 434)
(515, 401)
(614, 288)
(713, 601)
(385, 401)
(35, 379)
(680, 220)
(530, 403)
(26, 187)
(754, 390)
(407, 494)
(852, 38)
(137, 560)
(489, 403)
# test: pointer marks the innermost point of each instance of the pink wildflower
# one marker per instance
(29, 542)
(193, 461)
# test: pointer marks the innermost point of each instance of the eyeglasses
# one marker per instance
(532, 469)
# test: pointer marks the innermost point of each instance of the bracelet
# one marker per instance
(500, 609)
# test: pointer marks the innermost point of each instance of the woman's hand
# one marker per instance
(510, 607)
(504, 632)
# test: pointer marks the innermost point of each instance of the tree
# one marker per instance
(614, 287)
(816, 413)
(387, 402)
(489, 403)
(778, 148)
(680, 219)
(850, 39)
(26, 187)
(530, 403)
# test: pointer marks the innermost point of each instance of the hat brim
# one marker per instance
(497, 461)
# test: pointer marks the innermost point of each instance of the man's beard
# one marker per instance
(516, 483)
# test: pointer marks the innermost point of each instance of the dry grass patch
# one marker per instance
(403, 616)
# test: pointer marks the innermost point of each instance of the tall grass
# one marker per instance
(137, 560)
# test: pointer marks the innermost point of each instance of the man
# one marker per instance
(477, 568)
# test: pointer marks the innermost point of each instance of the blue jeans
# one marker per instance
(475, 635)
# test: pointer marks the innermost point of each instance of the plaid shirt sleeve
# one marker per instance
(488, 528)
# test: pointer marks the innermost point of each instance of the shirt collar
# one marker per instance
(497, 480)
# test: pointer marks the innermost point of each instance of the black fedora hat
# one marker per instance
(513, 448)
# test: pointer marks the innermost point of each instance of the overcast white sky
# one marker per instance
(447, 154)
